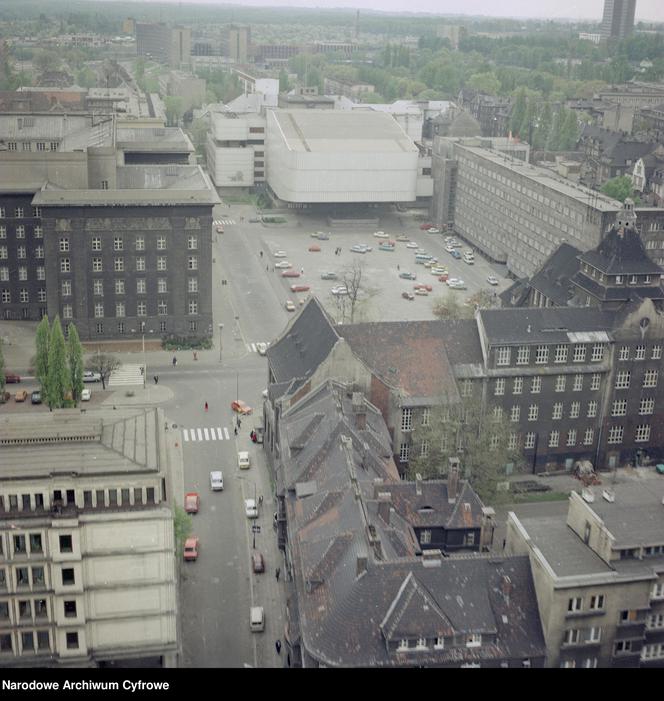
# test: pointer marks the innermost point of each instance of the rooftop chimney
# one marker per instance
(384, 506)
(360, 411)
(432, 558)
(418, 484)
(487, 528)
(452, 479)
(506, 586)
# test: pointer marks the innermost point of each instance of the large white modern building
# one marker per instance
(339, 157)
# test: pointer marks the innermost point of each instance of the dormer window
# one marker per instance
(619, 279)
(403, 645)
(633, 279)
(422, 643)
(474, 640)
(439, 644)
(646, 279)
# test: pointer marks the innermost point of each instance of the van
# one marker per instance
(256, 619)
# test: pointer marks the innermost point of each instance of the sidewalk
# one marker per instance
(152, 394)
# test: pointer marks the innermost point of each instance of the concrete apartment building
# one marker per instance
(618, 19)
(115, 241)
(236, 43)
(514, 212)
(88, 574)
(599, 576)
(164, 44)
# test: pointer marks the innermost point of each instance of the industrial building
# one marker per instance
(339, 157)
(87, 568)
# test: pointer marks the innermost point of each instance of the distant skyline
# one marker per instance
(646, 10)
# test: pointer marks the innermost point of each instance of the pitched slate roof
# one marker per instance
(553, 278)
(305, 343)
(621, 252)
(542, 324)
(413, 355)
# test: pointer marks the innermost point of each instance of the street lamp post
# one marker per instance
(145, 367)
(221, 328)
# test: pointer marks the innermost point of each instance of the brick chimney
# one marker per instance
(506, 587)
(384, 506)
(487, 528)
(360, 411)
(452, 479)
(418, 484)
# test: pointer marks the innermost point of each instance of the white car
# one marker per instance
(261, 348)
(360, 248)
(243, 460)
(90, 376)
(85, 395)
(412, 244)
(457, 284)
(280, 254)
(492, 280)
(216, 481)
(449, 248)
(339, 290)
(283, 264)
(381, 235)
(250, 508)
(433, 230)
(437, 271)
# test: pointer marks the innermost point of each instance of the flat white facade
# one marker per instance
(337, 156)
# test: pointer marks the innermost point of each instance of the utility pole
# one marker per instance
(221, 328)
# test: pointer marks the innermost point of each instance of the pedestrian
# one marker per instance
(261, 254)
(277, 572)
(278, 646)
(175, 361)
(398, 267)
(195, 355)
(260, 500)
(142, 370)
(235, 430)
(156, 379)
(206, 406)
(301, 271)
(267, 268)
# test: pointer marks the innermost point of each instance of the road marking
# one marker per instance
(221, 435)
(226, 433)
(207, 437)
(186, 434)
(213, 435)
(200, 434)
(193, 435)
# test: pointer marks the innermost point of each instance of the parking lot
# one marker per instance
(381, 282)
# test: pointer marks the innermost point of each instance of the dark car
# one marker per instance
(257, 562)
(11, 377)
(456, 254)
(35, 397)
(408, 276)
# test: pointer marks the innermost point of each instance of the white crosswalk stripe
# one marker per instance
(212, 433)
(251, 347)
(127, 375)
(224, 222)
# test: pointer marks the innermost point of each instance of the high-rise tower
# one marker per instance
(618, 19)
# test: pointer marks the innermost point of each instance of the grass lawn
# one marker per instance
(540, 496)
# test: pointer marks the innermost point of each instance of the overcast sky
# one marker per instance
(575, 9)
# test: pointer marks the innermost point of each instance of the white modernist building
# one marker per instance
(317, 156)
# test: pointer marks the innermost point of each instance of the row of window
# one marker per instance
(557, 413)
(139, 243)
(22, 252)
(471, 640)
(646, 407)
(576, 636)
(32, 610)
(560, 385)
(617, 279)
(22, 273)
(587, 663)
(623, 378)
(31, 543)
(23, 296)
(616, 434)
(579, 353)
(119, 264)
(122, 329)
(121, 309)
(19, 232)
(96, 498)
(120, 286)
(640, 352)
(27, 145)
(19, 212)
(22, 577)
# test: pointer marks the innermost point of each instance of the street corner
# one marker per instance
(139, 396)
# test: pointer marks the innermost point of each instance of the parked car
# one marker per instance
(422, 286)
(314, 249)
(492, 280)
(283, 264)
(329, 276)
(408, 295)
(36, 397)
(290, 306)
(300, 288)
(290, 273)
(86, 395)
(408, 276)
(339, 290)
(262, 348)
(443, 278)
(255, 220)
(280, 254)
(322, 236)
(388, 246)
(421, 291)
(426, 227)
(20, 396)
(433, 230)
(243, 460)
(402, 237)
(360, 248)
(456, 283)
(381, 235)
(456, 254)
(191, 546)
(12, 377)
(192, 502)
(216, 481)
(239, 407)
(257, 562)
(220, 229)
(412, 244)
(91, 376)
(250, 508)
(437, 270)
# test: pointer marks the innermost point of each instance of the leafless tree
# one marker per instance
(104, 364)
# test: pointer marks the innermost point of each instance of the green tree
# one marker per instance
(518, 113)
(544, 125)
(486, 83)
(554, 141)
(58, 379)
(620, 188)
(570, 131)
(75, 358)
(284, 83)
(174, 109)
(182, 527)
(41, 357)
(528, 125)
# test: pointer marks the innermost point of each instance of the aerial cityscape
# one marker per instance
(234, 431)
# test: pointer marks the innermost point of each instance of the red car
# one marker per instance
(421, 286)
(443, 278)
(12, 377)
(290, 273)
(239, 407)
(426, 227)
(314, 249)
(192, 502)
(300, 288)
(191, 546)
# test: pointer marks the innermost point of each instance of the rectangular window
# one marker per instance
(597, 602)
(426, 416)
(579, 353)
(96, 243)
(20, 252)
(640, 352)
(404, 452)
(118, 243)
(406, 419)
(118, 265)
(424, 449)
(536, 385)
(141, 309)
(512, 441)
(193, 306)
(571, 437)
(650, 378)
(554, 439)
(98, 288)
(20, 232)
(65, 288)
(575, 408)
(646, 406)
(72, 641)
(140, 243)
(622, 379)
(592, 409)
(595, 382)
(97, 265)
(578, 383)
(615, 435)
(162, 286)
(22, 273)
(515, 413)
(656, 352)
(502, 356)
(161, 243)
(119, 287)
(140, 286)
(560, 383)
(67, 311)
(120, 309)
(99, 310)
(557, 411)
(162, 308)
(140, 264)
(541, 355)
(192, 262)
(589, 436)
(65, 265)
(575, 604)
(35, 538)
(533, 412)
(499, 388)
(192, 243)
(64, 245)
(68, 576)
(517, 387)
(597, 354)
(619, 407)
(65, 543)
(192, 286)
(161, 263)
(561, 354)
(20, 547)
(38, 232)
(642, 433)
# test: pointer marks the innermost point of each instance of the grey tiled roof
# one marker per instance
(553, 278)
(621, 252)
(303, 346)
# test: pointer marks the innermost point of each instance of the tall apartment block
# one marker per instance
(164, 44)
(237, 42)
(618, 19)
(88, 573)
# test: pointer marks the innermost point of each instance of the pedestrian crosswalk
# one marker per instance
(224, 222)
(214, 433)
(258, 347)
(127, 375)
